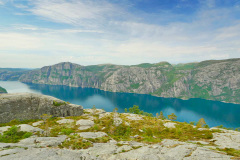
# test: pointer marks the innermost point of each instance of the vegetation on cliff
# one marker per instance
(3, 90)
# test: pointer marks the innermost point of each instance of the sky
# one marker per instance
(36, 33)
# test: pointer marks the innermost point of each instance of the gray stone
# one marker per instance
(64, 121)
(202, 129)
(227, 139)
(81, 128)
(95, 111)
(92, 134)
(180, 151)
(25, 106)
(104, 115)
(48, 154)
(7, 145)
(85, 124)
(170, 125)
(37, 123)
(171, 143)
(10, 151)
(116, 119)
(102, 150)
(3, 129)
(201, 142)
(29, 128)
(206, 154)
(123, 148)
(136, 144)
(133, 117)
(42, 141)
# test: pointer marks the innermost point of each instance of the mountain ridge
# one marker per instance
(213, 79)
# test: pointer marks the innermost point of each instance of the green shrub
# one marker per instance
(123, 131)
(67, 131)
(55, 103)
(135, 110)
(13, 135)
(27, 135)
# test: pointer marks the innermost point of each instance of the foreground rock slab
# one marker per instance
(227, 139)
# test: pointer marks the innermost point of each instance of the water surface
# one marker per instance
(215, 113)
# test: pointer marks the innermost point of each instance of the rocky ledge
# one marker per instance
(100, 135)
(25, 106)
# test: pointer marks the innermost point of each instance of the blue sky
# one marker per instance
(35, 33)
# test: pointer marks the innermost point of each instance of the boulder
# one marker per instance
(3, 129)
(92, 134)
(227, 139)
(42, 141)
(37, 123)
(24, 106)
(29, 128)
(133, 117)
(64, 121)
(170, 125)
(84, 124)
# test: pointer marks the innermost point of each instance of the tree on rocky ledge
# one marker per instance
(172, 116)
(201, 123)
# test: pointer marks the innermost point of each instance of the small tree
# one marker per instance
(94, 107)
(115, 110)
(125, 110)
(201, 122)
(172, 116)
(94, 110)
(161, 116)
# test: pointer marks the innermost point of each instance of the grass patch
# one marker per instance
(55, 103)
(17, 122)
(99, 140)
(75, 142)
(231, 151)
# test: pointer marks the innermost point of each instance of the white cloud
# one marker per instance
(78, 13)
(97, 37)
(2, 2)
(25, 27)
(17, 41)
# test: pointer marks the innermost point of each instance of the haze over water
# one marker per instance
(215, 113)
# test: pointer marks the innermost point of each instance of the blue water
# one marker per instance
(215, 113)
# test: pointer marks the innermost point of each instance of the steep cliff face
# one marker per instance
(62, 74)
(25, 106)
(213, 80)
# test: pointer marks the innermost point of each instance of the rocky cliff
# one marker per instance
(24, 106)
(212, 80)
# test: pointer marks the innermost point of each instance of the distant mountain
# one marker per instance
(2, 90)
(213, 80)
(12, 74)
